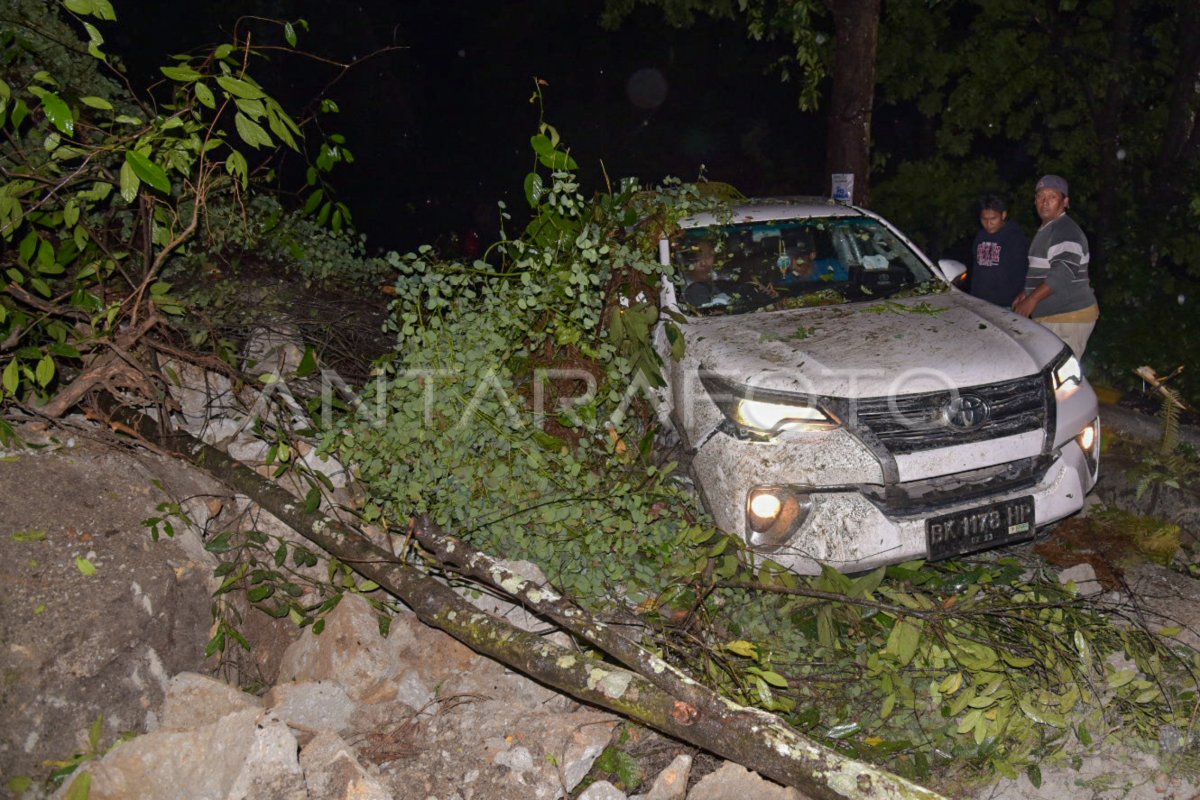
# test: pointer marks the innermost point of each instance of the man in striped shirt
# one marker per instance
(1057, 292)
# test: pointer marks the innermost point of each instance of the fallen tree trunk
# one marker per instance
(685, 710)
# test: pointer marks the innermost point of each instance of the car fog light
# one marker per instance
(765, 506)
(1087, 437)
(1088, 440)
(773, 514)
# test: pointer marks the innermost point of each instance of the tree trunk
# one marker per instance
(753, 738)
(856, 26)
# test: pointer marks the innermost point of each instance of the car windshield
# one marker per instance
(735, 268)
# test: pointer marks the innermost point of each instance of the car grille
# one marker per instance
(932, 494)
(915, 422)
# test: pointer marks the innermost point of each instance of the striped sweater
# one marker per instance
(1059, 257)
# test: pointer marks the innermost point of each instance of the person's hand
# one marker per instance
(1024, 304)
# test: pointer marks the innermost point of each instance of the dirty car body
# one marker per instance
(845, 405)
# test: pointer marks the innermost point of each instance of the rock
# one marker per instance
(242, 756)
(735, 782)
(332, 772)
(374, 669)
(312, 706)
(671, 783)
(602, 790)
(193, 700)
(502, 750)
(1084, 576)
(97, 616)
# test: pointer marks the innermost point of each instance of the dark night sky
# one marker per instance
(442, 126)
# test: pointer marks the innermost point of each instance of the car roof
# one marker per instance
(763, 209)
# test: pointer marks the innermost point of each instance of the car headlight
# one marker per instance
(1067, 371)
(766, 412)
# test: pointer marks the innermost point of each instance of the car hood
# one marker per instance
(873, 348)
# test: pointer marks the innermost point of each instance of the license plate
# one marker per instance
(980, 528)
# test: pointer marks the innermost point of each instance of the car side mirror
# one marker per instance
(951, 270)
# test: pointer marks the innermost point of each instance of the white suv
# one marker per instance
(844, 405)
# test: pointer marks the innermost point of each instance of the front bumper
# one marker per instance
(857, 521)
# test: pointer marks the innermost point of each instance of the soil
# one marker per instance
(96, 615)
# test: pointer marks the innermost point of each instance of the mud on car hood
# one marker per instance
(872, 348)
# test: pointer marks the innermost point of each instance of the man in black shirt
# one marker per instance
(1000, 255)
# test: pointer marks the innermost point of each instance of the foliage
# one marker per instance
(259, 231)
(1006, 91)
(278, 576)
(80, 787)
(513, 411)
(968, 668)
(105, 183)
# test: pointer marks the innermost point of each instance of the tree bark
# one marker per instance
(753, 738)
(852, 100)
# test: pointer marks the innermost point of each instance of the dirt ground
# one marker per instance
(96, 616)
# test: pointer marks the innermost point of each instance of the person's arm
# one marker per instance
(1026, 302)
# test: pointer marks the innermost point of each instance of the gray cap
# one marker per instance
(1053, 182)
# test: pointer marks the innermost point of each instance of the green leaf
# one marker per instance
(235, 164)
(29, 536)
(204, 94)
(253, 109)
(129, 182)
(81, 787)
(28, 247)
(240, 88)
(103, 9)
(843, 730)
(1034, 773)
(11, 377)
(96, 102)
(289, 33)
(58, 112)
(312, 500)
(45, 370)
(903, 640)
(534, 189)
(280, 128)
(94, 732)
(95, 39)
(182, 73)
(742, 648)
(773, 678)
(260, 593)
(251, 132)
(148, 171)
(220, 543)
(313, 201)
(308, 364)
(216, 644)
(85, 566)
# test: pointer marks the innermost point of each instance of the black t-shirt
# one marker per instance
(999, 263)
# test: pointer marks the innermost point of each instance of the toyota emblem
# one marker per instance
(967, 412)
